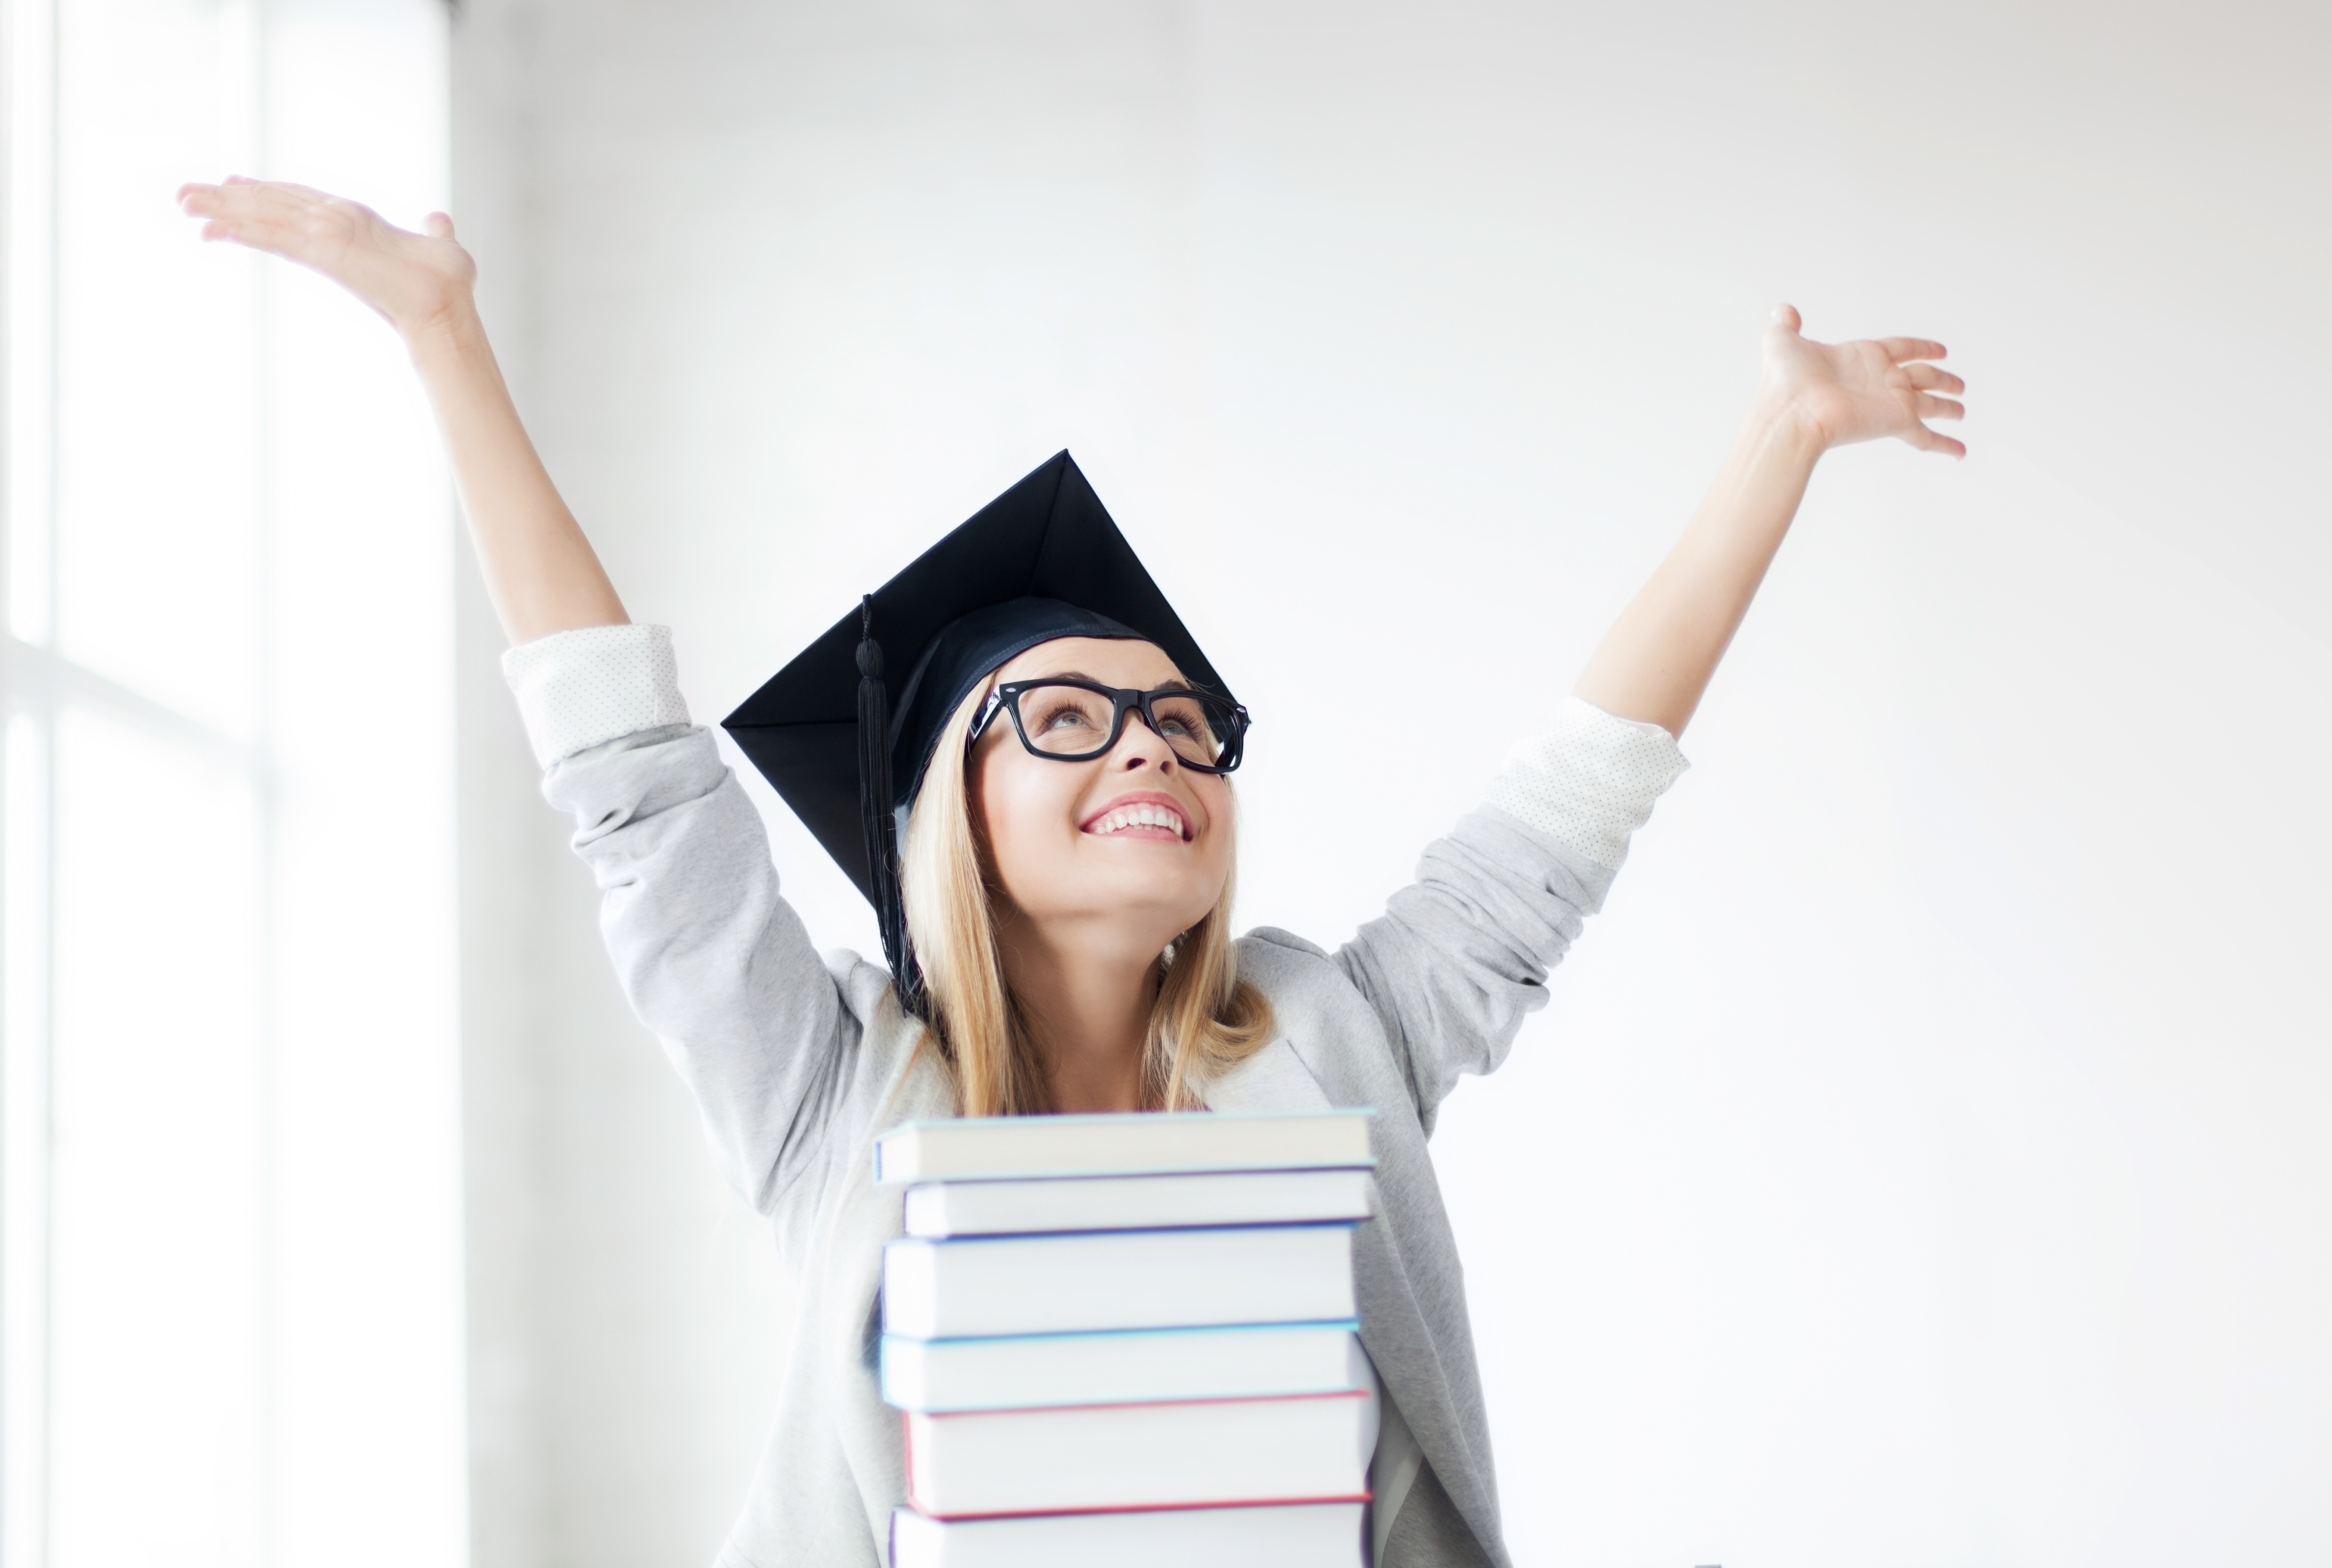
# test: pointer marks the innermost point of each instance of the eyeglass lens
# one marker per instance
(1072, 722)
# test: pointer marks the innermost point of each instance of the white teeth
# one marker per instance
(1143, 815)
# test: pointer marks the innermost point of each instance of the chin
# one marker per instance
(1172, 904)
(1170, 911)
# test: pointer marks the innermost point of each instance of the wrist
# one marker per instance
(448, 325)
(1786, 427)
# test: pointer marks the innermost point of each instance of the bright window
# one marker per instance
(230, 1284)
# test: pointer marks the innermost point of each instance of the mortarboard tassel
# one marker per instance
(875, 815)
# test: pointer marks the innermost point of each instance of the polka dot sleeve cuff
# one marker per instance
(1590, 782)
(577, 689)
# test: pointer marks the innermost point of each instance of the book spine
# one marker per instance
(1360, 1497)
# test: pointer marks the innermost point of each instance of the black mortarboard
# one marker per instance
(845, 730)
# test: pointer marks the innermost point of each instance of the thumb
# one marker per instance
(438, 225)
(1786, 317)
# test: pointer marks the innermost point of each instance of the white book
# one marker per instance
(1113, 1279)
(1306, 1536)
(1106, 1457)
(1029, 1372)
(1136, 1202)
(987, 1148)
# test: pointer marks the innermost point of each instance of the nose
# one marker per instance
(1138, 745)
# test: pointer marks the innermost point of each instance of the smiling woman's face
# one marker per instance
(1130, 840)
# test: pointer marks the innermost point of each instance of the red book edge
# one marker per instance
(1142, 1507)
(907, 1441)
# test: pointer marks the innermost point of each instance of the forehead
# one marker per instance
(1112, 661)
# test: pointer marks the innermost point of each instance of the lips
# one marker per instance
(1147, 816)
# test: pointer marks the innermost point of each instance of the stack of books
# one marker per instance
(1128, 1340)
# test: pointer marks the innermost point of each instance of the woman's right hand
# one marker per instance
(419, 282)
(538, 567)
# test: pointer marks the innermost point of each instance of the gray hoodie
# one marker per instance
(797, 1061)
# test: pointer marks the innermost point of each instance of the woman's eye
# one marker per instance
(1063, 718)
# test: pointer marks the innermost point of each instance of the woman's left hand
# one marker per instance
(1840, 393)
(1656, 661)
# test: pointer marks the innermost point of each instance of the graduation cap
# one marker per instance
(845, 731)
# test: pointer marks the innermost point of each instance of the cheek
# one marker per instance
(1022, 804)
(1221, 836)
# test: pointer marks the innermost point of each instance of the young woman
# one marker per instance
(1068, 901)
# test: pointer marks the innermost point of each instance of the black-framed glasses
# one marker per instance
(1071, 721)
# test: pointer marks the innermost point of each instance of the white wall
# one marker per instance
(1919, 1162)
(137, 1081)
(231, 1286)
(366, 1320)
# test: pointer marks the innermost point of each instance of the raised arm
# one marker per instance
(714, 960)
(1657, 659)
(539, 569)
(1462, 954)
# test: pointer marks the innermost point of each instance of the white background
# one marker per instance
(231, 1284)
(1923, 1159)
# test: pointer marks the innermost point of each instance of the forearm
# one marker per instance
(1657, 659)
(540, 569)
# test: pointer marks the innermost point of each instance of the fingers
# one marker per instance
(1901, 348)
(1927, 379)
(1898, 350)
(234, 194)
(279, 202)
(239, 198)
(1927, 440)
(292, 221)
(281, 191)
(1929, 406)
(438, 225)
(303, 231)
(276, 239)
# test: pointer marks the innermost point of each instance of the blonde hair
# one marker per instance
(1205, 1019)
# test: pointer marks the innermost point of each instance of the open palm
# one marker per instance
(1861, 391)
(412, 280)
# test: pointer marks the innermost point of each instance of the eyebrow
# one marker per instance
(1176, 684)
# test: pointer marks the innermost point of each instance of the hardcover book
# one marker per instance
(944, 1209)
(1118, 1279)
(988, 1148)
(1037, 1370)
(1110, 1456)
(1307, 1535)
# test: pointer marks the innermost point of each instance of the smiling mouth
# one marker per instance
(1141, 819)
